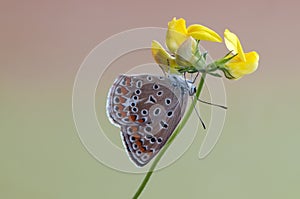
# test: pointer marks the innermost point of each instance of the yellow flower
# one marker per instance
(185, 56)
(163, 58)
(177, 33)
(186, 53)
(242, 63)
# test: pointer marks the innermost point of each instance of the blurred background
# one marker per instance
(42, 46)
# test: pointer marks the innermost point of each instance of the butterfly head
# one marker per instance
(192, 89)
(185, 84)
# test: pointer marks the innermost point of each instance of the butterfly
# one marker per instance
(147, 108)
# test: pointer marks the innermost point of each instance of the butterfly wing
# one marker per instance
(118, 100)
(148, 109)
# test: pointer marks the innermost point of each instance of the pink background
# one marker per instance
(42, 45)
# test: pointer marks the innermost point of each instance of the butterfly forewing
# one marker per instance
(148, 108)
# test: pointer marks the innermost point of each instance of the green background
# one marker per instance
(41, 48)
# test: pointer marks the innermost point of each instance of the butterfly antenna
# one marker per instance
(199, 117)
(217, 105)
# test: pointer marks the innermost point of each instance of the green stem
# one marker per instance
(171, 139)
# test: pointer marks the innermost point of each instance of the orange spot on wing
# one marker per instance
(122, 99)
(127, 81)
(124, 91)
(132, 118)
(136, 136)
(143, 149)
(123, 114)
(120, 107)
(140, 146)
(134, 129)
(141, 120)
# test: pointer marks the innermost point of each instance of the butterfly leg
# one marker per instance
(195, 77)
(217, 105)
(184, 75)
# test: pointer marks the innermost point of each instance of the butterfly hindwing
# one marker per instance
(148, 108)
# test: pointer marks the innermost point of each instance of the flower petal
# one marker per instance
(176, 34)
(203, 33)
(185, 54)
(177, 25)
(163, 58)
(239, 68)
(233, 44)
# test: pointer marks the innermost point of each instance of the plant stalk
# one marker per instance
(171, 139)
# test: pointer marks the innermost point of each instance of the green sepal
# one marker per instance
(227, 74)
(224, 60)
(215, 74)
